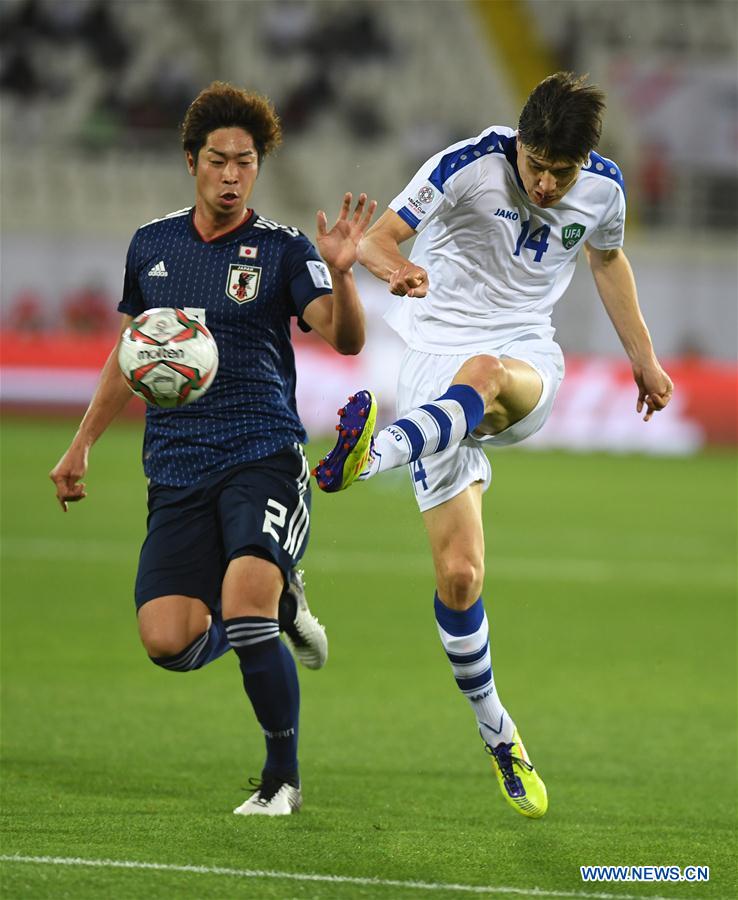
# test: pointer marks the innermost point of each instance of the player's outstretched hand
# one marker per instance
(654, 388)
(338, 246)
(409, 281)
(66, 476)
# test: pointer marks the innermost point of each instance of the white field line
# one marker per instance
(675, 571)
(325, 879)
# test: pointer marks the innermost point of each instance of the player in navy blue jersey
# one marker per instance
(229, 498)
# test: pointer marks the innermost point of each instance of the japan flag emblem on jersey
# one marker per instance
(243, 282)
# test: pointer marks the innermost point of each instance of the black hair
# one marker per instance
(562, 117)
(221, 105)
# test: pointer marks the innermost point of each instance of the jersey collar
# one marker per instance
(228, 236)
(511, 155)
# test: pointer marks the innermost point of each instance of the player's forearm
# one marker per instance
(380, 253)
(617, 289)
(111, 396)
(348, 321)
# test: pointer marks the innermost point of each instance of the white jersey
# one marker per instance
(496, 262)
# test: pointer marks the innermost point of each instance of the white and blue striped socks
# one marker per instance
(427, 429)
(465, 638)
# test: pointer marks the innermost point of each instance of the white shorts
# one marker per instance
(426, 376)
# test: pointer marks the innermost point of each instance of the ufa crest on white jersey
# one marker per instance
(496, 262)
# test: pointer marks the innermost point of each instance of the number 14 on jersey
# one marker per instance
(536, 241)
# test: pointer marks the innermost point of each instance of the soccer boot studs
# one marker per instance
(348, 459)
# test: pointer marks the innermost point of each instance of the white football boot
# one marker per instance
(272, 797)
(304, 633)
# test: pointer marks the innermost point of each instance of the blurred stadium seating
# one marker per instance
(92, 92)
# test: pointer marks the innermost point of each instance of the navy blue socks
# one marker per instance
(204, 649)
(270, 680)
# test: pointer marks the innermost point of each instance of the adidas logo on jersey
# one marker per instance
(159, 270)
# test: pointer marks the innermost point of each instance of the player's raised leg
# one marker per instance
(251, 591)
(486, 395)
(177, 583)
(457, 543)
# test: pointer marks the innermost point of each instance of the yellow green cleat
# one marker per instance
(348, 459)
(519, 782)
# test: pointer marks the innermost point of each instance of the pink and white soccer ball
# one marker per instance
(167, 357)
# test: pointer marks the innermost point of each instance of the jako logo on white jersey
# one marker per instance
(507, 214)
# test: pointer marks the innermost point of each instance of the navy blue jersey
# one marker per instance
(245, 286)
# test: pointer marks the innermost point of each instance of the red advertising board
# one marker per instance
(595, 408)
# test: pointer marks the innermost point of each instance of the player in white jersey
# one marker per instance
(501, 219)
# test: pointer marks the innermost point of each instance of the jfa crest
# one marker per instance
(243, 282)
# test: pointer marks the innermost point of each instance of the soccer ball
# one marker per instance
(167, 357)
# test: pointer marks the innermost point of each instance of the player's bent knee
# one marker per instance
(170, 654)
(161, 638)
(486, 374)
(166, 644)
(160, 646)
(171, 626)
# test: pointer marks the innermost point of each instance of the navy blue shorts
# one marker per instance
(260, 508)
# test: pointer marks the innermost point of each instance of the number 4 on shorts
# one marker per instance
(419, 474)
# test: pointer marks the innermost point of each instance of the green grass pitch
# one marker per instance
(611, 595)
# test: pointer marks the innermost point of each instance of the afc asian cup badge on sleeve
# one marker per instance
(420, 201)
(243, 282)
(426, 194)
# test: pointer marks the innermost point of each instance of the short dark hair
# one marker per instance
(562, 117)
(221, 105)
